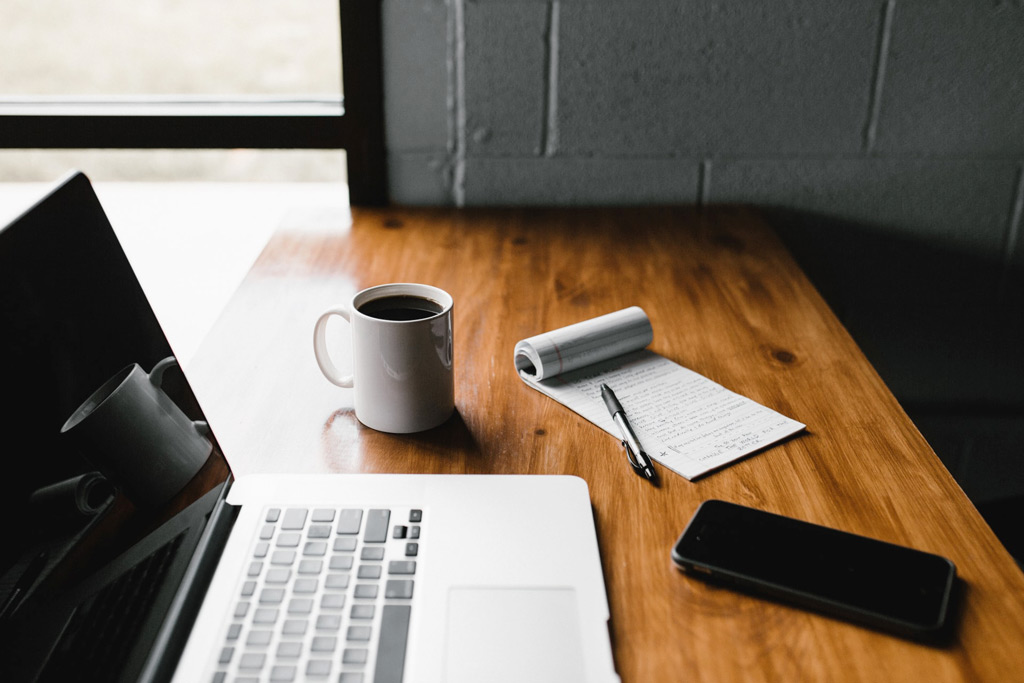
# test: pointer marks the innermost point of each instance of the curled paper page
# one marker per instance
(585, 343)
(685, 421)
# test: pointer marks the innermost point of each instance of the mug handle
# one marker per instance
(323, 356)
(156, 375)
(156, 378)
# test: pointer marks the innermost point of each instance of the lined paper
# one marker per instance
(685, 421)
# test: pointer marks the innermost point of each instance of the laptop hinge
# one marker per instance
(170, 641)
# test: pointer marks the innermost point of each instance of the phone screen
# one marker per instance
(878, 583)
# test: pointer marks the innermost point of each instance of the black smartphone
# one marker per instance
(881, 585)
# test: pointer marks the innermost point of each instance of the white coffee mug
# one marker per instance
(138, 437)
(402, 370)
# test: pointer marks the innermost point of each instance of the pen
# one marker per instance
(642, 464)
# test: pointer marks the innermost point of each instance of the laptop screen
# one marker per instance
(95, 403)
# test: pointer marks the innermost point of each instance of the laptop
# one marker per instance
(345, 577)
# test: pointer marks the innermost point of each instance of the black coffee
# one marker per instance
(401, 307)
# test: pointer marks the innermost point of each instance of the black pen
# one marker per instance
(642, 464)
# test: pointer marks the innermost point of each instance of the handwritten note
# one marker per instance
(685, 421)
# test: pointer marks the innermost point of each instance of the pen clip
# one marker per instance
(632, 457)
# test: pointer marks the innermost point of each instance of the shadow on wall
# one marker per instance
(945, 330)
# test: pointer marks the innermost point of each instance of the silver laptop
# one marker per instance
(352, 578)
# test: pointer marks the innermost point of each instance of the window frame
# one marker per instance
(354, 122)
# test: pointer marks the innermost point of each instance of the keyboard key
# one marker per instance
(363, 611)
(271, 596)
(311, 566)
(300, 606)
(289, 649)
(342, 562)
(372, 553)
(328, 622)
(402, 567)
(394, 632)
(282, 673)
(225, 655)
(261, 549)
(259, 638)
(288, 539)
(295, 627)
(255, 568)
(305, 585)
(351, 677)
(323, 515)
(252, 660)
(399, 531)
(332, 601)
(267, 532)
(369, 571)
(349, 521)
(376, 526)
(279, 575)
(315, 549)
(248, 588)
(318, 667)
(294, 519)
(337, 581)
(358, 633)
(324, 643)
(344, 544)
(412, 549)
(241, 609)
(319, 531)
(366, 590)
(273, 514)
(416, 515)
(282, 557)
(219, 677)
(354, 655)
(233, 631)
(265, 615)
(398, 588)
(414, 532)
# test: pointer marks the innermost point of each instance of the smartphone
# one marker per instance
(881, 585)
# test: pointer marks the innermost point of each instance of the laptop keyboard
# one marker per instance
(326, 596)
(99, 638)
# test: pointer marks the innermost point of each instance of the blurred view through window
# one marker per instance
(168, 50)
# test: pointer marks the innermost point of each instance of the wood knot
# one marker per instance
(539, 432)
(519, 241)
(393, 223)
(783, 356)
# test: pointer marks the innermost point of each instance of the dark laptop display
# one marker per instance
(72, 317)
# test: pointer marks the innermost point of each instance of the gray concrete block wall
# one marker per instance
(894, 128)
(669, 78)
(954, 79)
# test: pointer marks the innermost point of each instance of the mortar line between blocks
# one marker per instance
(459, 77)
(703, 182)
(1013, 229)
(549, 129)
(878, 77)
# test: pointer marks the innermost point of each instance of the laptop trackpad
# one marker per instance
(513, 634)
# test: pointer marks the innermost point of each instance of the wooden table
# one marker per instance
(726, 300)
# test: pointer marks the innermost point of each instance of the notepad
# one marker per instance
(685, 421)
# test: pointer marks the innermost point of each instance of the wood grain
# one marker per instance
(726, 300)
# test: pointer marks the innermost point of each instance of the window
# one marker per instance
(195, 75)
